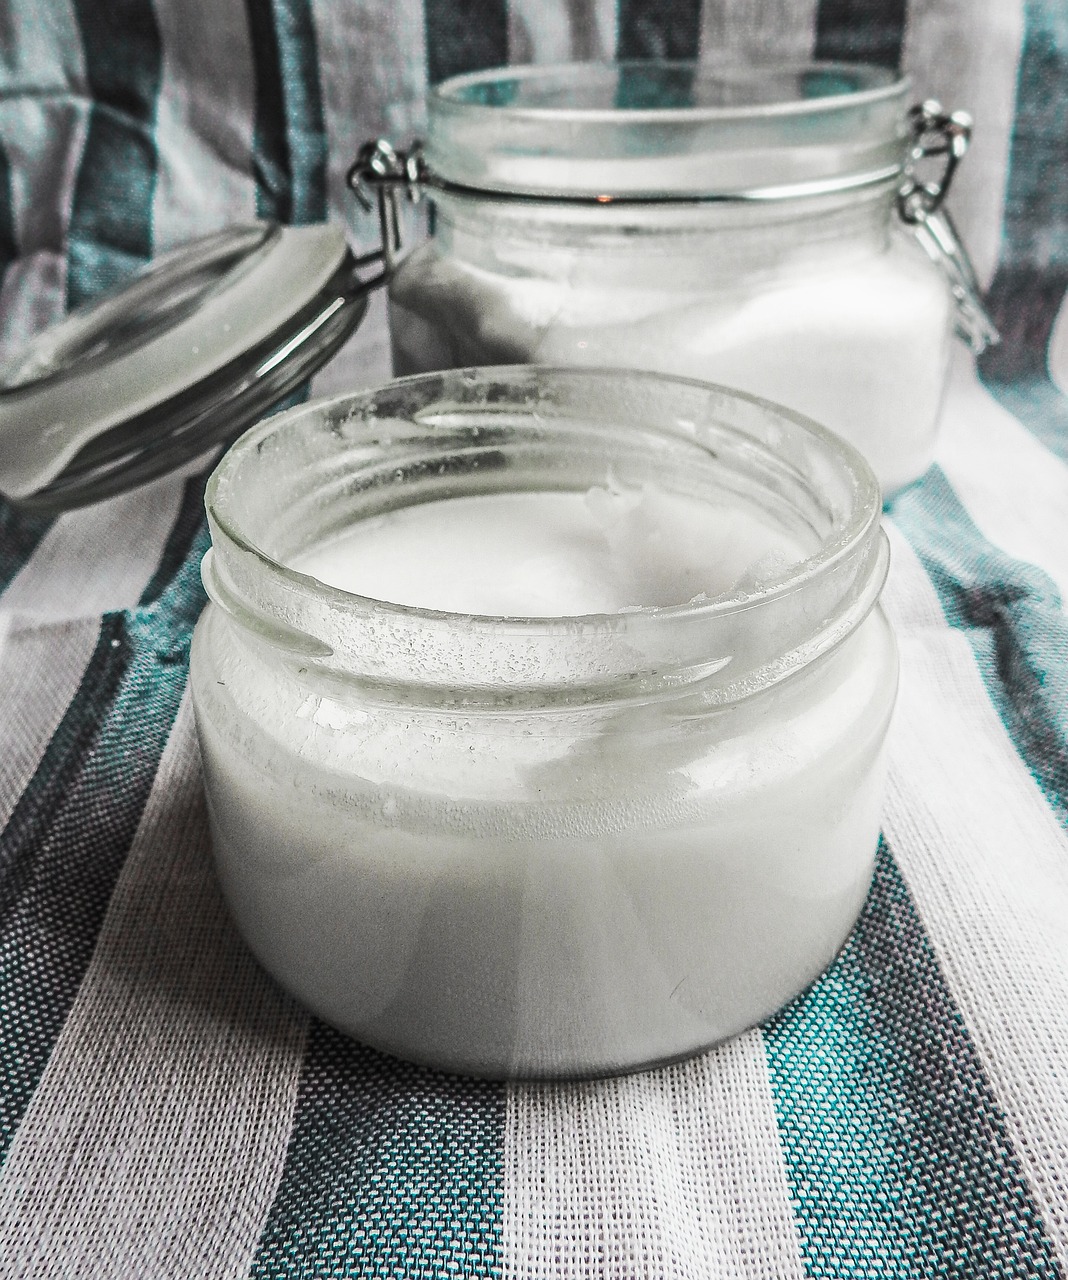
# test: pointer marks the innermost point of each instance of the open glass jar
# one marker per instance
(543, 846)
(766, 228)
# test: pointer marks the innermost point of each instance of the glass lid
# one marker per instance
(669, 128)
(191, 351)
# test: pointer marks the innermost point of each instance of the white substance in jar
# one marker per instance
(544, 845)
(853, 330)
(553, 554)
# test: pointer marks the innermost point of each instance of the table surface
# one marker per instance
(164, 1109)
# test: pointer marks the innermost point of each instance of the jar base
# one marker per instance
(526, 1068)
(519, 1075)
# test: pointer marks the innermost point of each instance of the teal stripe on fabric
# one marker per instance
(8, 239)
(289, 139)
(20, 532)
(1031, 396)
(464, 35)
(110, 230)
(392, 1171)
(1029, 285)
(1013, 617)
(861, 31)
(659, 29)
(66, 841)
(898, 1158)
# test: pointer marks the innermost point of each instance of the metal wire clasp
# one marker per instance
(377, 174)
(935, 133)
(946, 136)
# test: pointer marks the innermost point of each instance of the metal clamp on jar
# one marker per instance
(754, 227)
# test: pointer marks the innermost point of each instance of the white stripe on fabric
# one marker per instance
(773, 30)
(155, 1140)
(966, 54)
(372, 74)
(43, 121)
(40, 670)
(44, 140)
(539, 31)
(668, 1174)
(33, 294)
(99, 558)
(204, 116)
(562, 30)
(1014, 489)
(41, 51)
(987, 864)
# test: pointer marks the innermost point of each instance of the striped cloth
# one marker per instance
(164, 1109)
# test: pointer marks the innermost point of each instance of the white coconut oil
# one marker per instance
(554, 554)
(523, 779)
(833, 310)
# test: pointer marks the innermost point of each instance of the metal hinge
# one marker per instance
(946, 137)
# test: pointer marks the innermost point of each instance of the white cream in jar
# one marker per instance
(854, 331)
(736, 225)
(603, 832)
(553, 554)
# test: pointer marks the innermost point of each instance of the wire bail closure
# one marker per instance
(934, 134)
(376, 176)
(380, 173)
(938, 134)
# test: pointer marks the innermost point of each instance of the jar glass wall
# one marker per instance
(828, 306)
(543, 846)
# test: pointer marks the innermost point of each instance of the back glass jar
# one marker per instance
(777, 229)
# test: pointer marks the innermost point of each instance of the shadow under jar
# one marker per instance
(545, 846)
(741, 225)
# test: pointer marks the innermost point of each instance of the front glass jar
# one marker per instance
(545, 845)
(736, 225)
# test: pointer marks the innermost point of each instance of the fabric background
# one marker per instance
(164, 1109)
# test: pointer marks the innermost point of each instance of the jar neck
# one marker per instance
(687, 128)
(733, 237)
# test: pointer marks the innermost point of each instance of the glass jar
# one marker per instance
(543, 846)
(758, 227)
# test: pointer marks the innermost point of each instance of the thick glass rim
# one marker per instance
(613, 131)
(346, 632)
(449, 94)
(865, 515)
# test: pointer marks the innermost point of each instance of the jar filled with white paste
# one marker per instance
(776, 229)
(542, 711)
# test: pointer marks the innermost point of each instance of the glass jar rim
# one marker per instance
(365, 442)
(667, 128)
(851, 84)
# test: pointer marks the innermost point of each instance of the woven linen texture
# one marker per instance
(164, 1109)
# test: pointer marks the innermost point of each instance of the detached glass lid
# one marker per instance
(668, 128)
(192, 351)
